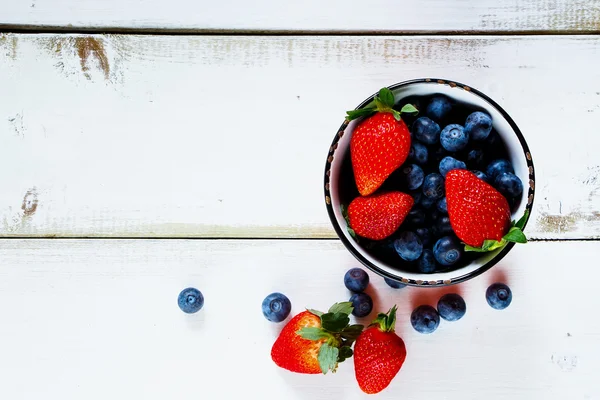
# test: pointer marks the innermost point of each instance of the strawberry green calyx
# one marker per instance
(386, 322)
(337, 333)
(515, 234)
(383, 102)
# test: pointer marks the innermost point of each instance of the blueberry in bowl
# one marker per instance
(430, 196)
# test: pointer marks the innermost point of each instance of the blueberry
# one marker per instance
(408, 246)
(498, 296)
(413, 174)
(394, 284)
(356, 280)
(426, 130)
(190, 300)
(493, 140)
(427, 202)
(442, 226)
(425, 235)
(418, 153)
(478, 125)
(439, 153)
(438, 108)
(497, 167)
(508, 184)
(433, 186)
(451, 307)
(481, 176)
(415, 217)
(449, 163)
(447, 251)
(276, 307)
(475, 157)
(425, 319)
(442, 206)
(362, 303)
(416, 195)
(454, 137)
(426, 263)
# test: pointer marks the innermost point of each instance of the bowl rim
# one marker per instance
(425, 282)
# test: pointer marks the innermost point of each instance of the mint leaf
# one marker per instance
(316, 312)
(334, 322)
(386, 97)
(409, 109)
(521, 222)
(344, 353)
(344, 307)
(313, 333)
(515, 235)
(362, 112)
(328, 356)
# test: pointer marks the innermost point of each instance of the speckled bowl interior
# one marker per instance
(518, 153)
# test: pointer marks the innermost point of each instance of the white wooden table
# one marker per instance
(147, 146)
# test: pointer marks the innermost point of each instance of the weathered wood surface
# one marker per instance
(97, 318)
(186, 136)
(309, 15)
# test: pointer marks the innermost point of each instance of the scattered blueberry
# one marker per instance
(447, 251)
(442, 226)
(433, 186)
(442, 206)
(276, 307)
(418, 153)
(481, 176)
(426, 130)
(415, 217)
(475, 157)
(427, 202)
(498, 296)
(425, 235)
(362, 303)
(451, 307)
(438, 108)
(414, 176)
(478, 125)
(508, 184)
(356, 280)
(426, 263)
(394, 284)
(497, 167)
(425, 319)
(190, 300)
(408, 246)
(449, 163)
(454, 138)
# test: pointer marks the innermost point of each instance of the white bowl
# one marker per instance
(518, 153)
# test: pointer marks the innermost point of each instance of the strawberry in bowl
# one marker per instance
(429, 182)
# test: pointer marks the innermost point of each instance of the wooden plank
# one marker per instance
(91, 318)
(186, 136)
(309, 15)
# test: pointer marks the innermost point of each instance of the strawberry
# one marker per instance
(378, 354)
(380, 143)
(313, 342)
(379, 215)
(479, 214)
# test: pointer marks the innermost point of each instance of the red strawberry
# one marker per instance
(314, 342)
(378, 354)
(290, 351)
(379, 144)
(479, 214)
(378, 216)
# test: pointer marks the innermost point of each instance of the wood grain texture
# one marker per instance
(187, 136)
(96, 319)
(309, 15)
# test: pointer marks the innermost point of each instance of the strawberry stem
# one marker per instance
(384, 101)
(387, 321)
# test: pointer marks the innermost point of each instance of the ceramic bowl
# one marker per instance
(338, 172)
